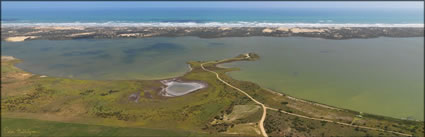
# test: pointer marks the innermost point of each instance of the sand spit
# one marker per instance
(7, 58)
(19, 38)
(15, 75)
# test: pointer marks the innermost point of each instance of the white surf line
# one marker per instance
(261, 123)
(265, 109)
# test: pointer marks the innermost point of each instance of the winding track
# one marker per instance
(261, 123)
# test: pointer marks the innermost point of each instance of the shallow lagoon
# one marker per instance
(381, 76)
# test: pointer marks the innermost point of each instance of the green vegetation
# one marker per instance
(215, 110)
(277, 125)
(31, 127)
(107, 102)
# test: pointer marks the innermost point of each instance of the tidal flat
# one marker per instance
(379, 76)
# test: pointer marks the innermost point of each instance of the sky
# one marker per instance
(209, 4)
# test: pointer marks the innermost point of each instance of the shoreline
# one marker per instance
(19, 34)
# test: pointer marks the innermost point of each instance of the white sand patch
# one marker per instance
(120, 28)
(150, 35)
(129, 35)
(19, 38)
(7, 58)
(267, 30)
(26, 75)
(224, 28)
(282, 29)
(303, 30)
(81, 34)
(338, 36)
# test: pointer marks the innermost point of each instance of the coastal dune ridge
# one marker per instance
(206, 24)
(17, 32)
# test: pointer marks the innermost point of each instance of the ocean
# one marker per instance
(204, 17)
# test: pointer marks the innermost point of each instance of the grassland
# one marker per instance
(33, 127)
(31, 101)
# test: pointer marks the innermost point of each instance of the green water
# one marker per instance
(380, 76)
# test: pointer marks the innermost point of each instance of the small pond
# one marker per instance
(177, 88)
